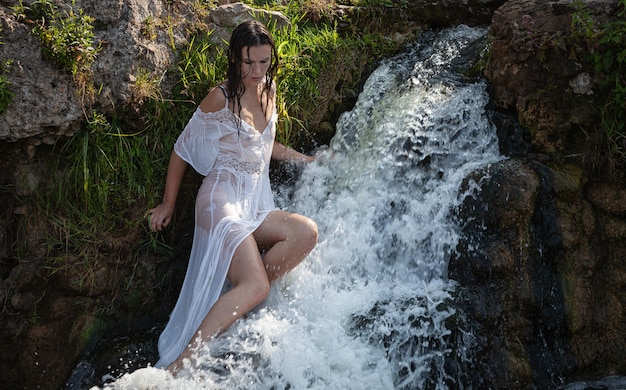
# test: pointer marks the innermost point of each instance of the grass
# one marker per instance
(5, 93)
(316, 63)
(607, 61)
(67, 38)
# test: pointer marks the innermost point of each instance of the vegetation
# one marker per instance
(315, 60)
(67, 37)
(606, 43)
(5, 93)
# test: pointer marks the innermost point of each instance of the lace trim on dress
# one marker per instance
(251, 168)
(224, 115)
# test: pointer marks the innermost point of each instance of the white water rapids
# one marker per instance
(371, 307)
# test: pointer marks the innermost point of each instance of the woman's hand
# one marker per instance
(282, 153)
(323, 153)
(160, 216)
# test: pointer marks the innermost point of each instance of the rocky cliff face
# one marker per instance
(135, 36)
(545, 288)
(546, 284)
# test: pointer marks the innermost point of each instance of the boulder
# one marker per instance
(539, 259)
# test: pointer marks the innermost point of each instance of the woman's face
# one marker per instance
(255, 62)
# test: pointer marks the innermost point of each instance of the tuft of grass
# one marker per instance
(5, 93)
(67, 37)
(316, 64)
(202, 65)
(145, 86)
(149, 28)
(105, 173)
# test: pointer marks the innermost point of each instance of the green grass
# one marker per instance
(316, 62)
(67, 37)
(607, 61)
(5, 93)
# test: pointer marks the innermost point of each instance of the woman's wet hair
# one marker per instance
(247, 34)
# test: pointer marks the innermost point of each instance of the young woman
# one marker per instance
(239, 234)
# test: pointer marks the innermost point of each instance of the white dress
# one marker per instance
(233, 200)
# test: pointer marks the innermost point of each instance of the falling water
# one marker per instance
(371, 307)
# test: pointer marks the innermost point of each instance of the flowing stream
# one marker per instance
(371, 307)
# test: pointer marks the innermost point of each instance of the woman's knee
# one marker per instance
(307, 234)
(261, 291)
(247, 271)
(257, 288)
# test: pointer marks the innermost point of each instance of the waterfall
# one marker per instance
(371, 307)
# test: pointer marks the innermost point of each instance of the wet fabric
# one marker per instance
(233, 200)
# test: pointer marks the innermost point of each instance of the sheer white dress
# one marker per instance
(233, 200)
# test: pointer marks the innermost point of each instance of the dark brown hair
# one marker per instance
(247, 34)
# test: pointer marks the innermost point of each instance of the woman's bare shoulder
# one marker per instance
(214, 101)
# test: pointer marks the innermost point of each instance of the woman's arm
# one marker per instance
(282, 153)
(160, 216)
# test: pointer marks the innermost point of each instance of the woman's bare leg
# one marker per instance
(250, 287)
(287, 238)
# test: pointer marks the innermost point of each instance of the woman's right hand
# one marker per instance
(160, 216)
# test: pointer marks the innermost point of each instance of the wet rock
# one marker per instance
(510, 289)
(537, 73)
(534, 72)
(553, 270)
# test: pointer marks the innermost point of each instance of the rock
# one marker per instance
(128, 49)
(552, 255)
(440, 13)
(231, 15)
(45, 102)
(496, 215)
(504, 268)
(537, 71)
(579, 224)
(608, 198)
(228, 16)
